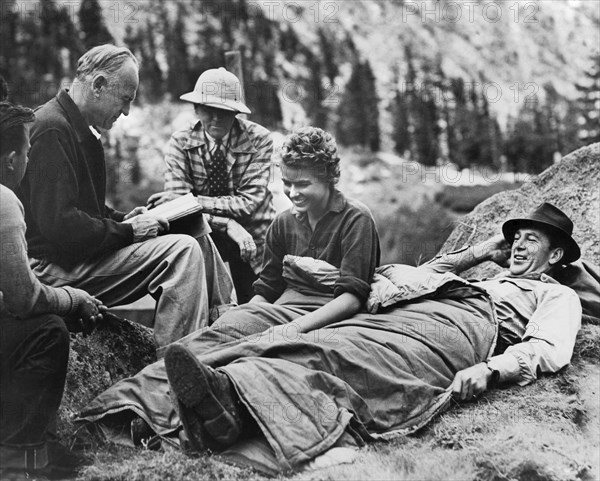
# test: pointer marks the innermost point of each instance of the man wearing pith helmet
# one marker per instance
(225, 162)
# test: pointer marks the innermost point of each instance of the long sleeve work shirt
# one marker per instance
(538, 322)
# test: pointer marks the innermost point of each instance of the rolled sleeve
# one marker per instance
(218, 223)
(360, 248)
(352, 285)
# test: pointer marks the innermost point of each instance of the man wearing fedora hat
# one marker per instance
(538, 317)
(225, 162)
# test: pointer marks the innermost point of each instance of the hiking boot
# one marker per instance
(194, 437)
(61, 463)
(209, 408)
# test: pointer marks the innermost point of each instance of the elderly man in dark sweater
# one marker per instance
(75, 239)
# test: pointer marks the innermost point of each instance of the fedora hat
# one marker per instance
(554, 220)
(220, 89)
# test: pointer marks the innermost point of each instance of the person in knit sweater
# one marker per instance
(34, 338)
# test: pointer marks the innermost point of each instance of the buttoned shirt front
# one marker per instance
(248, 154)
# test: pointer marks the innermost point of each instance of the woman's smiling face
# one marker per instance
(306, 189)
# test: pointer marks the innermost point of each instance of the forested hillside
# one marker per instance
(504, 84)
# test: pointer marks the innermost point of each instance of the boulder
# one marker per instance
(573, 185)
(96, 362)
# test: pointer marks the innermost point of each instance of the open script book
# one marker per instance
(176, 208)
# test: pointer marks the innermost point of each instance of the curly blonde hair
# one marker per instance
(314, 148)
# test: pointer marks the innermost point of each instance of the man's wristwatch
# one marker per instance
(495, 374)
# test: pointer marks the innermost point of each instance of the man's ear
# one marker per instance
(100, 81)
(9, 160)
(556, 255)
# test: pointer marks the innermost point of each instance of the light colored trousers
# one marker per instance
(185, 276)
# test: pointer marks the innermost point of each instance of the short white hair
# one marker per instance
(107, 59)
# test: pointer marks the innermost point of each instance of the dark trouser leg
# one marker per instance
(34, 354)
(241, 272)
(243, 278)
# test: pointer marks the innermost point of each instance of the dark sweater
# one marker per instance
(64, 189)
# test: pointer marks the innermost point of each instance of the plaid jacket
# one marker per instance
(249, 166)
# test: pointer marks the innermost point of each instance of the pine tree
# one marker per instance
(38, 51)
(93, 28)
(589, 103)
(259, 44)
(142, 43)
(399, 111)
(9, 51)
(178, 74)
(531, 143)
(358, 111)
(458, 117)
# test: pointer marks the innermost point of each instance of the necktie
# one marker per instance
(217, 180)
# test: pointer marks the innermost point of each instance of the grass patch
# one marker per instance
(587, 345)
(120, 463)
(545, 431)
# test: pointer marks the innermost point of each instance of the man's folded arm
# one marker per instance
(494, 249)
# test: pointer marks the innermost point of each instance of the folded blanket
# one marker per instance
(396, 283)
(309, 274)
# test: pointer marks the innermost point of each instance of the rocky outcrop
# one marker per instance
(101, 359)
(573, 185)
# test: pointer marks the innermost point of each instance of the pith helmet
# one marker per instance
(218, 88)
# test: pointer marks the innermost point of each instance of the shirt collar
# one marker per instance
(211, 141)
(535, 276)
(240, 140)
(80, 126)
(337, 203)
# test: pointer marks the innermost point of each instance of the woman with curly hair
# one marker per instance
(322, 224)
(319, 259)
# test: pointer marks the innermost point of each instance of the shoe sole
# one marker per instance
(190, 381)
(196, 438)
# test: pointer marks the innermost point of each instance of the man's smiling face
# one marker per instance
(531, 252)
